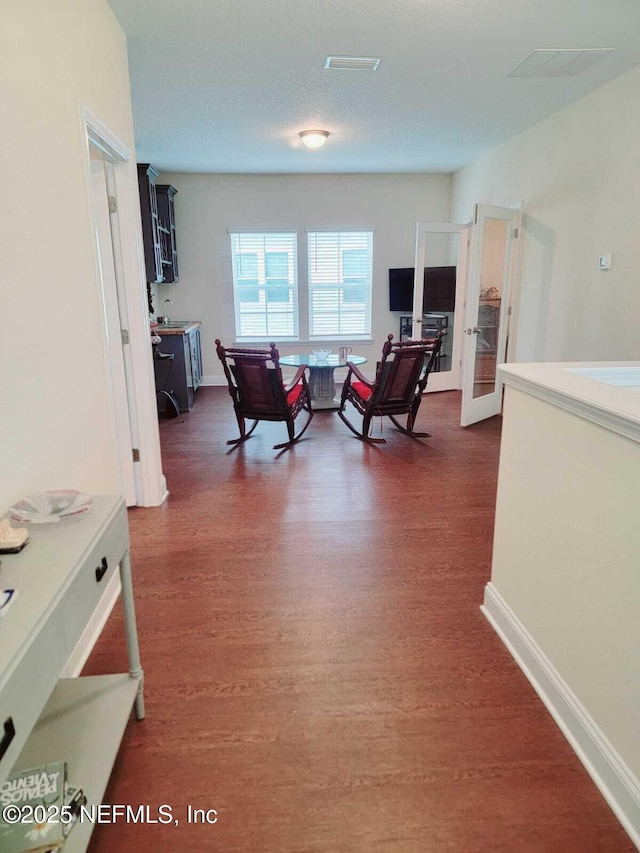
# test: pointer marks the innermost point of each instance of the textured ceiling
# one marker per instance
(226, 85)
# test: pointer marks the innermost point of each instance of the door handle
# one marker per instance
(102, 570)
(8, 736)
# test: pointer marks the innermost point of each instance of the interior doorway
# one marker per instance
(125, 314)
(104, 205)
(465, 277)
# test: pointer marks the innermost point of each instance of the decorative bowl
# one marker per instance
(321, 354)
(50, 507)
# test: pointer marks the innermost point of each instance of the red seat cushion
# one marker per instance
(293, 395)
(363, 391)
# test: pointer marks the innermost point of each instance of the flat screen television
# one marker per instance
(439, 294)
(401, 290)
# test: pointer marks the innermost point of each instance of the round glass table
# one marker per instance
(322, 384)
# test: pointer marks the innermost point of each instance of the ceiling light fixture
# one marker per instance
(314, 138)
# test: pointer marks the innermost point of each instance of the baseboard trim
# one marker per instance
(90, 635)
(215, 381)
(619, 787)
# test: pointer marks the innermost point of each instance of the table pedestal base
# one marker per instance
(322, 385)
(323, 388)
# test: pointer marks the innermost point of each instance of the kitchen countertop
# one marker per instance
(606, 393)
(177, 327)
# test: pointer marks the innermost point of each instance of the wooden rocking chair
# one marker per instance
(259, 393)
(401, 377)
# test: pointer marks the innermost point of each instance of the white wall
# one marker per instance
(565, 555)
(208, 205)
(564, 589)
(578, 175)
(55, 429)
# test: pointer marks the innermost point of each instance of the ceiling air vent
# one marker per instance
(352, 63)
(558, 62)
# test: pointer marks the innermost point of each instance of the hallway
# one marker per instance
(317, 668)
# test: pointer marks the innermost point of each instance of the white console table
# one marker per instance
(60, 577)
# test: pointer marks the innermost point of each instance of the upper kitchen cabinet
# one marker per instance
(167, 226)
(150, 224)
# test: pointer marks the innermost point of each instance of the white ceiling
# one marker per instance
(226, 85)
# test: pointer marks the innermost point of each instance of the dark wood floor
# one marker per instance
(317, 666)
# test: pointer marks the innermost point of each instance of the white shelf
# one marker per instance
(82, 723)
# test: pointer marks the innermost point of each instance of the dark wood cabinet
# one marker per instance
(186, 370)
(167, 227)
(432, 325)
(487, 342)
(150, 224)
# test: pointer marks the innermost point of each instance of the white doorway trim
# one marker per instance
(150, 484)
(123, 436)
(515, 275)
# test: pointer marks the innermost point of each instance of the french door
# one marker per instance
(481, 259)
(440, 272)
(493, 264)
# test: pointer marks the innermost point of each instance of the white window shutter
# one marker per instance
(340, 283)
(265, 285)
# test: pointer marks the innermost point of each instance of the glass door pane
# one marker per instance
(494, 259)
(439, 294)
(441, 253)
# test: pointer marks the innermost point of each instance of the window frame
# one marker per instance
(289, 248)
(350, 334)
(301, 312)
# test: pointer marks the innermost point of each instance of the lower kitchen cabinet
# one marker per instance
(186, 369)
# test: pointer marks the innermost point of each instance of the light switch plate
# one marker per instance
(605, 261)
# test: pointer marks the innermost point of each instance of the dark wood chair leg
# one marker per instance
(291, 428)
(408, 430)
(244, 433)
(366, 426)
(348, 423)
(363, 436)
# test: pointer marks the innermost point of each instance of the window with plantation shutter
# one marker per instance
(340, 265)
(265, 285)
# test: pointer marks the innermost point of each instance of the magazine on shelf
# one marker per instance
(74, 799)
(41, 789)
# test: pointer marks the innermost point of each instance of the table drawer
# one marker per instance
(90, 582)
(27, 690)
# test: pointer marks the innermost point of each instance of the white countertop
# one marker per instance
(604, 392)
